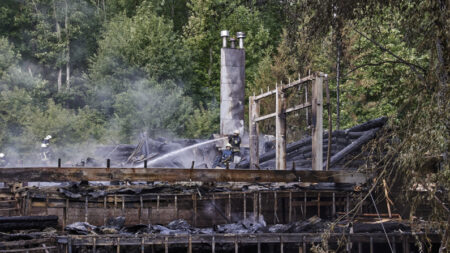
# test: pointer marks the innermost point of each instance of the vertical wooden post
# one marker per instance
(194, 205)
(123, 206)
(104, 210)
(157, 208)
(189, 244)
(371, 244)
(318, 204)
(290, 206)
(394, 250)
(244, 206)
(304, 204)
(229, 208)
(213, 245)
(141, 207)
(333, 210)
(176, 206)
(46, 204)
(275, 205)
(347, 205)
(214, 204)
(66, 212)
(259, 205)
(86, 205)
(115, 205)
(406, 246)
(330, 126)
(281, 245)
(255, 205)
(94, 245)
(304, 244)
(69, 245)
(317, 130)
(166, 245)
(254, 133)
(280, 128)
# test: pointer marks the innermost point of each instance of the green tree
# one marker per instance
(158, 109)
(202, 37)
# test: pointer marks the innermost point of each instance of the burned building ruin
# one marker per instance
(164, 196)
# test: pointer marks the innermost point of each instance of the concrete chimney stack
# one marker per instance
(232, 86)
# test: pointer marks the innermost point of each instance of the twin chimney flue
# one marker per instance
(225, 34)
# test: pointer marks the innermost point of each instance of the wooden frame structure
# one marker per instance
(360, 242)
(276, 206)
(280, 121)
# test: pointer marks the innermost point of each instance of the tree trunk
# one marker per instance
(338, 75)
(338, 71)
(66, 25)
(210, 63)
(58, 34)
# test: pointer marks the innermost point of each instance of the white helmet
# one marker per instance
(236, 132)
(48, 137)
(228, 145)
(2, 155)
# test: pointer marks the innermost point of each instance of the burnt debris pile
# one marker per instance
(345, 145)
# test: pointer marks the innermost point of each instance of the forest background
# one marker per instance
(97, 71)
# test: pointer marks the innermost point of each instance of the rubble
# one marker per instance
(250, 225)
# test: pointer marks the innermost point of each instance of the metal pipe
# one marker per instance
(224, 34)
(240, 36)
(233, 42)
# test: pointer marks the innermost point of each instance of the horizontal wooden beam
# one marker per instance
(53, 174)
(286, 86)
(267, 116)
(263, 95)
(298, 107)
(292, 109)
(299, 81)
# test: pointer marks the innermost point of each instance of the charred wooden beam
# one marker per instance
(280, 130)
(254, 133)
(27, 222)
(317, 130)
(53, 174)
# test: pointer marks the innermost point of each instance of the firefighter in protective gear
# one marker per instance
(235, 141)
(3, 160)
(45, 148)
(226, 157)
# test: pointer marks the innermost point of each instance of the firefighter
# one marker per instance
(225, 158)
(45, 148)
(235, 141)
(3, 160)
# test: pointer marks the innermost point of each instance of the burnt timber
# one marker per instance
(52, 174)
